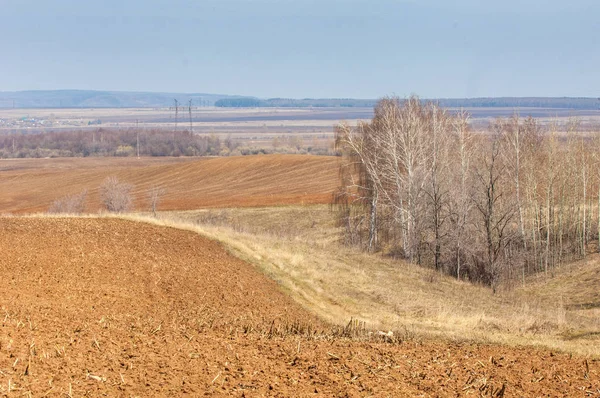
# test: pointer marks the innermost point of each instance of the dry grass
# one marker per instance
(575, 286)
(298, 247)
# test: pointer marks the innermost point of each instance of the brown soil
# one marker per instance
(31, 185)
(95, 307)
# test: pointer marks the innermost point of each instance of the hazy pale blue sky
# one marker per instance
(304, 48)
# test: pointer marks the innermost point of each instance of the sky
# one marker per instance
(304, 48)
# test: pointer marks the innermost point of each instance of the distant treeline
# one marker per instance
(252, 102)
(516, 102)
(107, 142)
(501, 102)
(155, 142)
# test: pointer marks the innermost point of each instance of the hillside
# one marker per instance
(111, 307)
(102, 99)
(31, 185)
(575, 287)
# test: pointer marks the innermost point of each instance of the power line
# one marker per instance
(191, 125)
(176, 112)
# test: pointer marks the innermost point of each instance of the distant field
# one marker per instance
(204, 120)
(31, 185)
(257, 127)
(252, 130)
(238, 121)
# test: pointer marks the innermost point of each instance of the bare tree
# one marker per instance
(437, 189)
(116, 195)
(360, 181)
(551, 181)
(583, 165)
(495, 208)
(403, 145)
(155, 195)
(461, 204)
(71, 204)
(415, 182)
(596, 173)
(512, 133)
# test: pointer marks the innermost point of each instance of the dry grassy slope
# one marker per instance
(299, 247)
(107, 307)
(575, 286)
(31, 185)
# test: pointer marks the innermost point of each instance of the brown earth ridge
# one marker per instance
(110, 307)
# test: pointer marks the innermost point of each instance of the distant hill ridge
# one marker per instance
(102, 99)
(128, 99)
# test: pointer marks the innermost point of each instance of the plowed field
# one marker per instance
(94, 307)
(31, 185)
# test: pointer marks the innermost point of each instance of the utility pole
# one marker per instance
(191, 125)
(176, 112)
(137, 138)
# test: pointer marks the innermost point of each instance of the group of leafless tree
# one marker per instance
(111, 142)
(490, 207)
(71, 204)
(103, 142)
(115, 196)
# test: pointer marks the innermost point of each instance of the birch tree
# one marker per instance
(461, 204)
(495, 209)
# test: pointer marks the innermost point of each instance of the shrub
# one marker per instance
(71, 204)
(116, 195)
